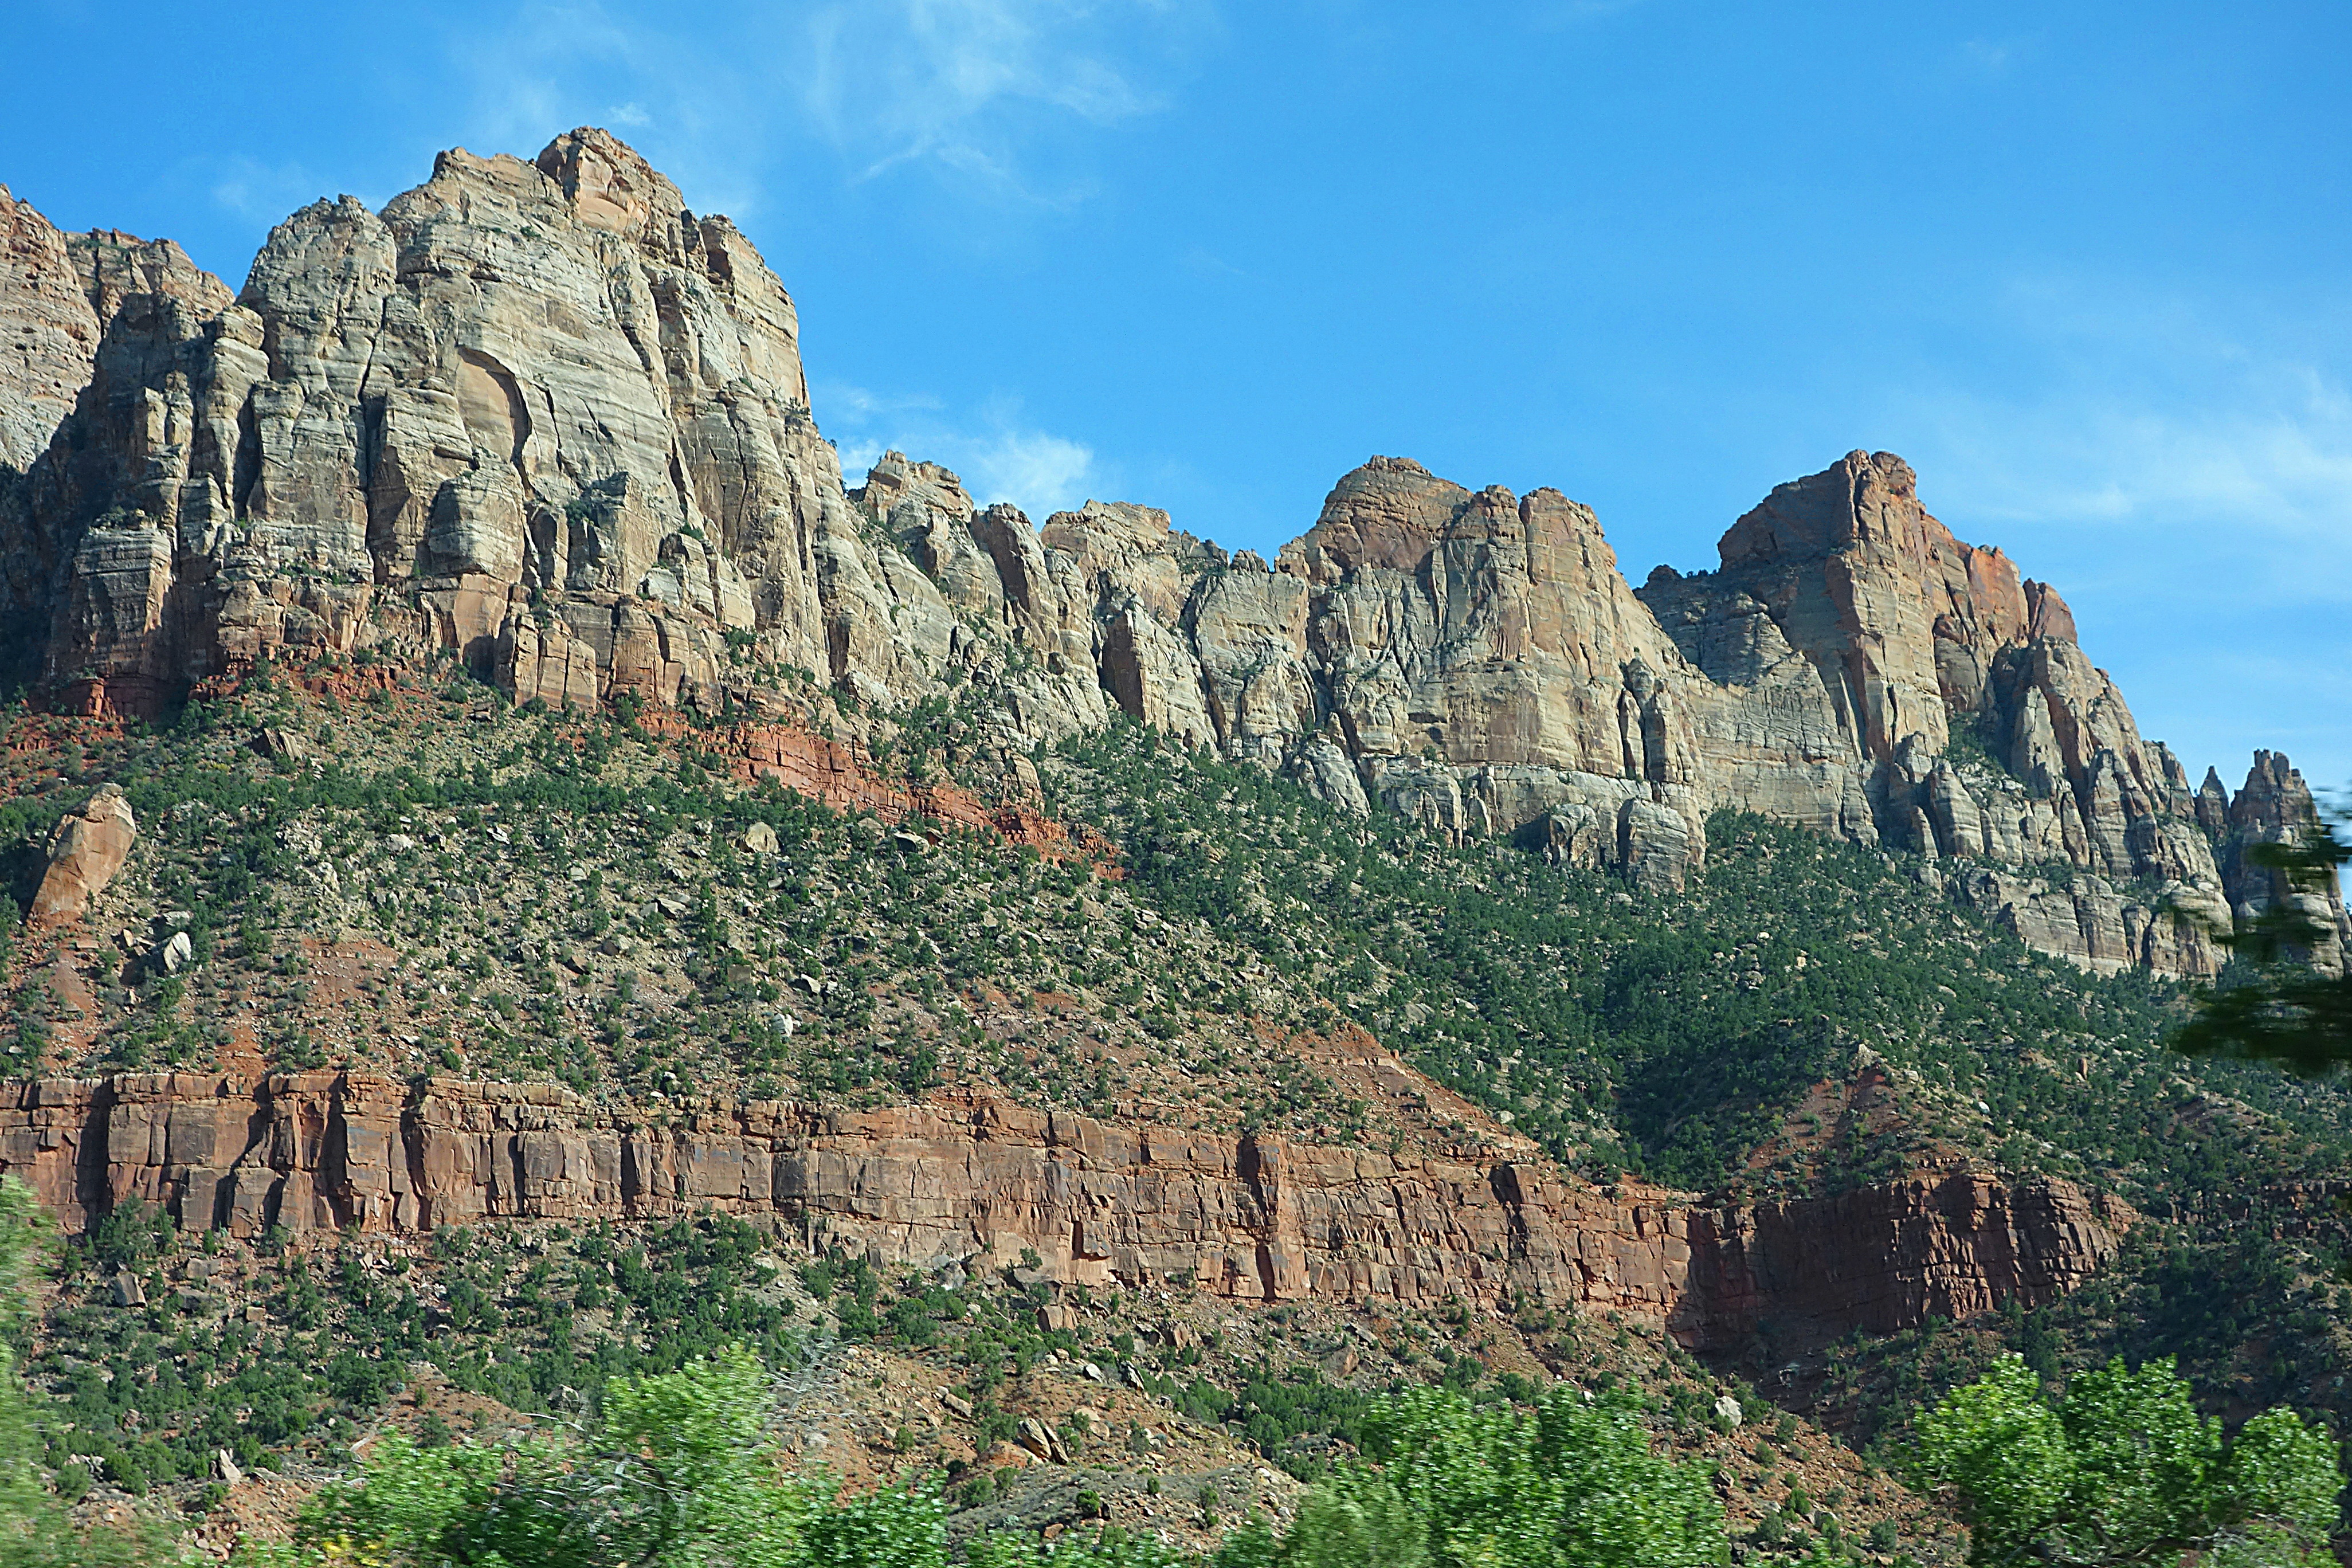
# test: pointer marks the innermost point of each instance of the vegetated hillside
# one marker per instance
(449, 884)
(1174, 1414)
(379, 869)
(424, 878)
(1807, 1016)
(1707, 1038)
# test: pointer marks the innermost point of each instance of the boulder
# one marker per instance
(85, 852)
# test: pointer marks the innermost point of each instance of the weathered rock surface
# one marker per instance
(1889, 1256)
(542, 413)
(1256, 1217)
(85, 851)
(2274, 807)
(1476, 661)
(539, 412)
(51, 332)
(58, 294)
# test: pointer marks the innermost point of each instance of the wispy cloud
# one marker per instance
(2186, 480)
(1039, 473)
(2258, 459)
(960, 83)
(1988, 54)
(986, 95)
(993, 449)
(252, 189)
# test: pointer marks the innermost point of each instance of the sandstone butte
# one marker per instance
(541, 415)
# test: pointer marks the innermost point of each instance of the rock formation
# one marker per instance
(59, 292)
(1255, 1217)
(1887, 1257)
(539, 413)
(85, 852)
(545, 416)
(2274, 807)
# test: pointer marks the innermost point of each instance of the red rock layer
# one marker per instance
(824, 768)
(1251, 1217)
(1886, 1257)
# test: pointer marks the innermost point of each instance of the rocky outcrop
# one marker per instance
(2275, 807)
(1254, 1216)
(1799, 1275)
(539, 412)
(824, 769)
(1900, 620)
(58, 294)
(1476, 661)
(85, 851)
(52, 333)
(545, 415)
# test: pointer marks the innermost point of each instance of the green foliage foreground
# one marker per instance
(1571, 1484)
(2123, 1471)
(35, 1531)
(680, 1474)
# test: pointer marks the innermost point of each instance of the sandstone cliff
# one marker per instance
(58, 293)
(85, 851)
(1256, 1217)
(544, 416)
(538, 413)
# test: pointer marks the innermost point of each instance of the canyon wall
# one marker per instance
(1252, 1217)
(542, 414)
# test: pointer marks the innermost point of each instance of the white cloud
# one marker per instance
(1039, 473)
(963, 83)
(999, 456)
(2265, 468)
(984, 93)
(2186, 481)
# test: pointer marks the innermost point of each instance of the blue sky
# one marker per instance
(2084, 265)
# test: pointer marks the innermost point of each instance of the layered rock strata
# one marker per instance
(58, 293)
(538, 412)
(1255, 1218)
(543, 415)
(1882, 1259)
(1476, 661)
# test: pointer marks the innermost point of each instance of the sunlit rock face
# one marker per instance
(543, 415)
(541, 392)
(1255, 1216)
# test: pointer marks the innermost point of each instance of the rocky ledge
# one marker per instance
(1254, 1216)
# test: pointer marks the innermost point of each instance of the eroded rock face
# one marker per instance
(1889, 1256)
(2276, 807)
(543, 415)
(85, 851)
(1900, 620)
(52, 332)
(1476, 662)
(1255, 1217)
(545, 383)
(59, 292)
